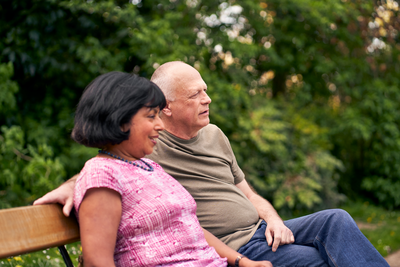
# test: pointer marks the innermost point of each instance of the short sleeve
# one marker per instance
(95, 175)
(237, 171)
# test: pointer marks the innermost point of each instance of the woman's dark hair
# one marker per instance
(109, 102)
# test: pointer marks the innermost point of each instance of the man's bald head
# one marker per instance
(167, 78)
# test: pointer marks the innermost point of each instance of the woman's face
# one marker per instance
(144, 128)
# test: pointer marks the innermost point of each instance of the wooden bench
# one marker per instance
(33, 228)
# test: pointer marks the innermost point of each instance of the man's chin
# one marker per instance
(205, 122)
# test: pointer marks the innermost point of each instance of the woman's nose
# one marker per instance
(159, 124)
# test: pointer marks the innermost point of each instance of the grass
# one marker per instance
(45, 258)
(380, 226)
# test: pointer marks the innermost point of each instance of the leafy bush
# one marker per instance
(307, 91)
(294, 166)
(26, 171)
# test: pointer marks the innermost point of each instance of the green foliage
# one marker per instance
(307, 91)
(23, 178)
(45, 258)
(26, 171)
(294, 166)
(7, 88)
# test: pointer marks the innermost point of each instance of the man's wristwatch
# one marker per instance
(238, 259)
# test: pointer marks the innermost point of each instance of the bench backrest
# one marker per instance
(33, 228)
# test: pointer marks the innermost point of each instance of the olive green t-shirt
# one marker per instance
(206, 166)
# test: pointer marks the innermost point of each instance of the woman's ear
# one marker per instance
(125, 127)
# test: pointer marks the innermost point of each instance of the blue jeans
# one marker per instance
(326, 238)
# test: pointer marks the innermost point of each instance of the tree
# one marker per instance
(305, 90)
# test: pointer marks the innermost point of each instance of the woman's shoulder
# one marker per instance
(101, 167)
(100, 163)
(117, 168)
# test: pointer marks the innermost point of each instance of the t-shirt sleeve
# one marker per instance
(237, 171)
(95, 177)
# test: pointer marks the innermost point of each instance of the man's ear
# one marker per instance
(167, 110)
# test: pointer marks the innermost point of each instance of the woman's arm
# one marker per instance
(226, 252)
(99, 218)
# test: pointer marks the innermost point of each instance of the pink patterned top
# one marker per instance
(158, 224)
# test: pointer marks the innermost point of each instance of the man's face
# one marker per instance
(190, 108)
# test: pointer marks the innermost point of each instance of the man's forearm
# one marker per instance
(264, 208)
(72, 179)
(63, 194)
(276, 232)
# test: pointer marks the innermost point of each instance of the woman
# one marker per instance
(132, 213)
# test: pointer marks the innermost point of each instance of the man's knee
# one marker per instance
(338, 215)
(341, 213)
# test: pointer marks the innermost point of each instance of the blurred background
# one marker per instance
(307, 91)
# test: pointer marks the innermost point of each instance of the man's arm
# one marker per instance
(277, 233)
(226, 252)
(64, 195)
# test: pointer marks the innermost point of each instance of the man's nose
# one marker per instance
(206, 99)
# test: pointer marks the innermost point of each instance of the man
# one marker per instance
(200, 157)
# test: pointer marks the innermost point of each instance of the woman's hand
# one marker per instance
(245, 262)
(226, 252)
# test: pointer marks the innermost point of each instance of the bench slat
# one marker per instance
(33, 228)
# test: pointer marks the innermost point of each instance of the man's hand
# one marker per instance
(245, 262)
(63, 195)
(278, 234)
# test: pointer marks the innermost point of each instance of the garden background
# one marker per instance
(307, 92)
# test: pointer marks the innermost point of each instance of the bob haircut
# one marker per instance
(110, 101)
